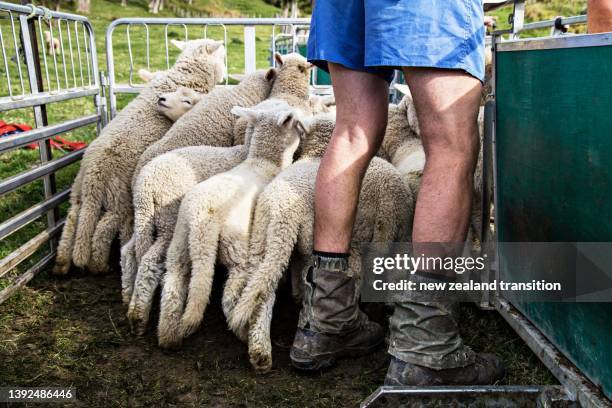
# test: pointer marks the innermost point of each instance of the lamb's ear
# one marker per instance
(293, 118)
(212, 47)
(246, 113)
(270, 74)
(178, 44)
(279, 59)
(145, 74)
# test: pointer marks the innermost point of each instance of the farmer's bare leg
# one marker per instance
(425, 342)
(331, 324)
(599, 16)
(361, 118)
(447, 104)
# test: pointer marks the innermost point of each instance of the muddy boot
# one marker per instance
(427, 349)
(331, 325)
(485, 370)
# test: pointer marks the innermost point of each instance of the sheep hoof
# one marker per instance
(136, 321)
(261, 362)
(169, 342)
(126, 296)
(188, 327)
(61, 268)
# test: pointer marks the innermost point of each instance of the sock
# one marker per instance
(338, 255)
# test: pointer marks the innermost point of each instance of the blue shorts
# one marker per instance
(379, 36)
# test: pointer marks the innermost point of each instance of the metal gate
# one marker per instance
(239, 35)
(49, 58)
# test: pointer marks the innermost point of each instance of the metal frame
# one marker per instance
(578, 387)
(249, 24)
(68, 71)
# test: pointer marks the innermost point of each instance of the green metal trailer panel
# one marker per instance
(554, 174)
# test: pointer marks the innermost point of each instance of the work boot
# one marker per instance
(331, 325)
(485, 370)
(427, 349)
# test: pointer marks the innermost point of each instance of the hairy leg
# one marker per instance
(599, 16)
(361, 118)
(447, 104)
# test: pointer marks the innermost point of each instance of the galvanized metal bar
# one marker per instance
(20, 220)
(78, 45)
(34, 135)
(61, 40)
(71, 54)
(44, 53)
(17, 53)
(54, 54)
(87, 54)
(549, 43)
(30, 48)
(26, 277)
(24, 178)
(40, 11)
(26, 250)
(454, 396)
(551, 23)
(6, 65)
(7, 103)
(576, 384)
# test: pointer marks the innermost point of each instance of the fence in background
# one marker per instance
(287, 34)
(48, 57)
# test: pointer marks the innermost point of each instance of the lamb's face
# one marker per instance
(204, 50)
(175, 104)
(293, 64)
(276, 129)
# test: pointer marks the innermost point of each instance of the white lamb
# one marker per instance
(101, 196)
(175, 104)
(215, 218)
(210, 122)
(402, 145)
(161, 184)
(283, 223)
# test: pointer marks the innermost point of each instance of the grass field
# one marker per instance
(45, 338)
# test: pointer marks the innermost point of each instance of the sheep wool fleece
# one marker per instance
(210, 122)
(104, 206)
(215, 218)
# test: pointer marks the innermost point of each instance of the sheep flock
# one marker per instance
(190, 176)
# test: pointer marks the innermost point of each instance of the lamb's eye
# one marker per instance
(187, 102)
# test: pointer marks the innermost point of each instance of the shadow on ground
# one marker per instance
(73, 332)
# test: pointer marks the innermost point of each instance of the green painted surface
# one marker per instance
(554, 158)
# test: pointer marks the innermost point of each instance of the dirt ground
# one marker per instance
(73, 332)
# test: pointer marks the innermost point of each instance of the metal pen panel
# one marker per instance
(66, 70)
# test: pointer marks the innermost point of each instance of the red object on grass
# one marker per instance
(58, 142)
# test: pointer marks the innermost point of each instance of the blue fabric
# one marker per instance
(379, 36)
